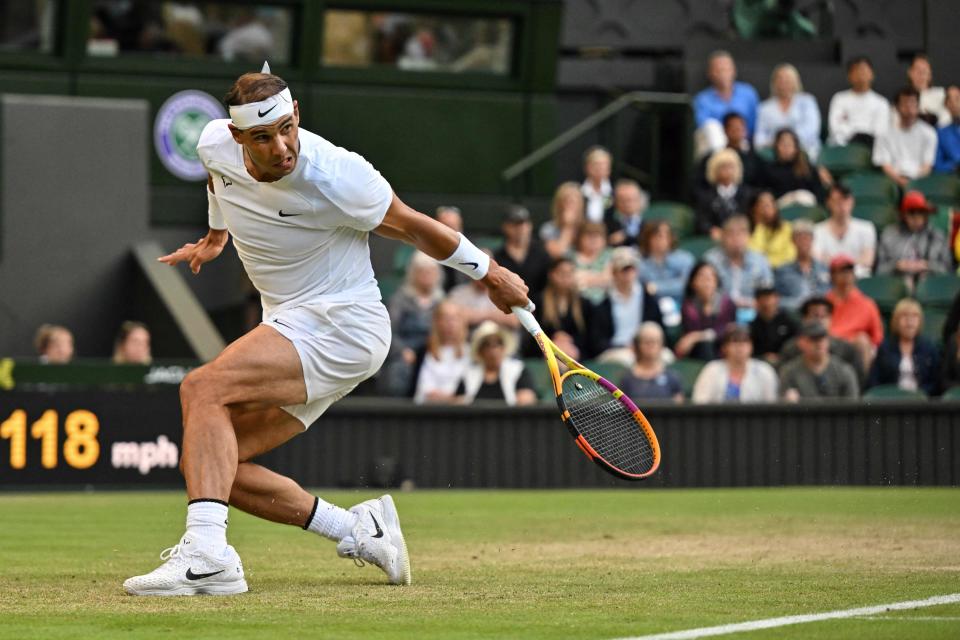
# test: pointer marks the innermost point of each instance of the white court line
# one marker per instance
(769, 623)
(914, 618)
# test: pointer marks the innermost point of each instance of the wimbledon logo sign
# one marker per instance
(177, 129)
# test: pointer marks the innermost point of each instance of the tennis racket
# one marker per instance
(606, 424)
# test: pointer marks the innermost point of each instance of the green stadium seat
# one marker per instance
(933, 321)
(892, 392)
(952, 394)
(843, 160)
(401, 257)
(766, 154)
(688, 369)
(797, 211)
(612, 371)
(886, 291)
(942, 220)
(938, 289)
(942, 190)
(679, 215)
(537, 367)
(872, 187)
(697, 245)
(489, 242)
(880, 215)
(389, 285)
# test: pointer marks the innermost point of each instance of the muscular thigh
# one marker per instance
(261, 369)
(261, 430)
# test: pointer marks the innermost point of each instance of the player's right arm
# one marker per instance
(206, 248)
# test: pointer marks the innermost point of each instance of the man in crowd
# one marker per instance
(856, 317)
(625, 219)
(913, 247)
(907, 150)
(858, 114)
(805, 276)
(772, 327)
(948, 136)
(522, 252)
(819, 309)
(723, 95)
(842, 234)
(742, 270)
(735, 129)
(816, 374)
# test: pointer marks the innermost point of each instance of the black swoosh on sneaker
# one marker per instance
(377, 525)
(197, 576)
(266, 112)
(474, 264)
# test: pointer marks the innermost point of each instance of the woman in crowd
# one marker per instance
(596, 189)
(494, 374)
(411, 312)
(792, 177)
(648, 379)
(561, 310)
(932, 107)
(132, 345)
(54, 344)
(771, 236)
(737, 377)
(663, 268)
(592, 261)
(446, 358)
(788, 107)
(705, 312)
(567, 214)
(726, 194)
(906, 358)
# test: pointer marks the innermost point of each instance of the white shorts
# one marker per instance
(340, 345)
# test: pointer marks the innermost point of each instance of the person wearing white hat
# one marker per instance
(300, 210)
(495, 375)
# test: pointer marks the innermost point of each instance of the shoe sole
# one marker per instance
(209, 589)
(396, 536)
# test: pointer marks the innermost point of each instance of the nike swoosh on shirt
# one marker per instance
(267, 111)
(288, 215)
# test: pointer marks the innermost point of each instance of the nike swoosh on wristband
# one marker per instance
(377, 525)
(196, 576)
(467, 264)
(266, 112)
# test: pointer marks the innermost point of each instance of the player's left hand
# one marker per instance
(506, 289)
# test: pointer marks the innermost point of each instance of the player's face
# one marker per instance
(273, 149)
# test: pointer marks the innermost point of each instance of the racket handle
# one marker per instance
(526, 318)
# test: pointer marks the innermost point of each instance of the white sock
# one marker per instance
(207, 520)
(330, 521)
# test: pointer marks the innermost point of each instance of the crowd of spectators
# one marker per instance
(771, 298)
(54, 344)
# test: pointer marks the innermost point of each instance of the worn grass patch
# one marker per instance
(551, 564)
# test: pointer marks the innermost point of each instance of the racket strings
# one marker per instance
(607, 425)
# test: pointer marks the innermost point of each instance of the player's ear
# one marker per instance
(236, 133)
(296, 113)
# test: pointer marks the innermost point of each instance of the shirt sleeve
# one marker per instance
(930, 148)
(881, 151)
(361, 193)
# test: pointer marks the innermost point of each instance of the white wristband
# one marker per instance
(214, 216)
(468, 259)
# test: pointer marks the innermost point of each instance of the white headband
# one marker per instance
(268, 111)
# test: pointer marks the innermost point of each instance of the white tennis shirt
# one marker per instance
(302, 238)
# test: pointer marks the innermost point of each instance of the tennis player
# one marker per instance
(299, 209)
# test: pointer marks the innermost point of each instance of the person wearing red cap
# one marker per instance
(912, 247)
(856, 317)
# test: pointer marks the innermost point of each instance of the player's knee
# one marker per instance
(197, 386)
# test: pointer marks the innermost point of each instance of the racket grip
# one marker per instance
(526, 318)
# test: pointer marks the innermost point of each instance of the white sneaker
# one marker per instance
(377, 539)
(188, 571)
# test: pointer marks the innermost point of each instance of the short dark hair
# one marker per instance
(855, 60)
(697, 268)
(732, 115)
(906, 92)
(253, 87)
(840, 188)
(816, 301)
